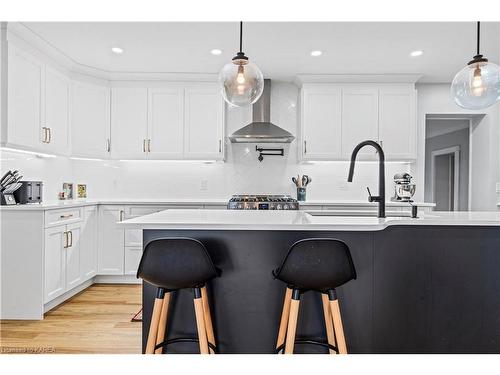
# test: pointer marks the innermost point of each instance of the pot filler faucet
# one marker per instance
(381, 174)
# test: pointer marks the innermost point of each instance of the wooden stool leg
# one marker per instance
(200, 321)
(155, 319)
(292, 322)
(285, 312)
(337, 322)
(162, 325)
(208, 318)
(328, 322)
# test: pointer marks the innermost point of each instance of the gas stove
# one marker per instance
(262, 202)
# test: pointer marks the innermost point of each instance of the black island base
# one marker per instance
(420, 289)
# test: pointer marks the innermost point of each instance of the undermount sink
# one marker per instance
(358, 213)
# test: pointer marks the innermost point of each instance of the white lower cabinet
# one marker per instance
(62, 260)
(112, 240)
(54, 262)
(132, 258)
(88, 244)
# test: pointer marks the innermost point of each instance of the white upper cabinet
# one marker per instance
(337, 117)
(203, 123)
(321, 111)
(90, 121)
(165, 123)
(56, 108)
(129, 120)
(359, 120)
(24, 112)
(397, 119)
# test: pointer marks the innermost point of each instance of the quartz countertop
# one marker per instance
(298, 220)
(56, 204)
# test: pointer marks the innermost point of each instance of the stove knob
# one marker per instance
(240, 206)
(286, 207)
(278, 206)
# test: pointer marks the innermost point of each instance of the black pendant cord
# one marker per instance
(241, 37)
(478, 36)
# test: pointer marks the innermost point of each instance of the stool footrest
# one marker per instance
(164, 344)
(309, 342)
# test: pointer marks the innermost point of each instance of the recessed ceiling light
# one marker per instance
(216, 52)
(117, 50)
(416, 53)
(316, 53)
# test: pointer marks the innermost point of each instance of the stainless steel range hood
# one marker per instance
(261, 130)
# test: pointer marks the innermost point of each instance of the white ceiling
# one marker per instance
(281, 49)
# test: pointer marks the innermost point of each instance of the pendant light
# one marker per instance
(477, 86)
(241, 80)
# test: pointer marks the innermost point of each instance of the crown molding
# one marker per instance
(300, 79)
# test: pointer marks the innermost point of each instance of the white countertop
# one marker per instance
(297, 220)
(55, 204)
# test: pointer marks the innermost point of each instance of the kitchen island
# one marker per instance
(426, 285)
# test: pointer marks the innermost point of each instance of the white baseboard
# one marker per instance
(70, 293)
(117, 279)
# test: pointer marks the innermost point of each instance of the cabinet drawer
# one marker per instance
(63, 216)
(132, 258)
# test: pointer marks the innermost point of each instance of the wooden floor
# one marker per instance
(94, 321)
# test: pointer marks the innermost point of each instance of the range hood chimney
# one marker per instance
(261, 130)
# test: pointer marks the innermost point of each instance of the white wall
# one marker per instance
(485, 141)
(241, 173)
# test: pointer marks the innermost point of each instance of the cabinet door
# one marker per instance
(56, 111)
(24, 100)
(129, 120)
(321, 124)
(73, 272)
(397, 123)
(54, 262)
(88, 244)
(90, 121)
(132, 258)
(204, 123)
(359, 121)
(112, 244)
(166, 123)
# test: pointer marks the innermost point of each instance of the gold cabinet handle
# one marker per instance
(44, 134)
(50, 135)
(143, 145)
(121, 215)
(108, 145)
(66, 216)
(70, 238)
(149, 145)
(220, 146)
(305, 147)
(65, 240)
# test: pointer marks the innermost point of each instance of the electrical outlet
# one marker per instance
(204, 185)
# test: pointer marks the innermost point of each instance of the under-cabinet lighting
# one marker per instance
(170, 161)
(39, 154)
(87, 159)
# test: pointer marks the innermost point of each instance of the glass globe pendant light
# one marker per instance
(477, 86)
(241, 80)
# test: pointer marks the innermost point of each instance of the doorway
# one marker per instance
(445, 178)
(447, 160)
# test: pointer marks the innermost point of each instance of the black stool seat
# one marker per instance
(172, 264)
(176, 263)
(319, 264)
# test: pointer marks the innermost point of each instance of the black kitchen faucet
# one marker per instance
(381, 174)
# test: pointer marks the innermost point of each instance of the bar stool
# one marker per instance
(320, 265)
(172, 264)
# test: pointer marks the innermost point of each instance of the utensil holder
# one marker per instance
(301, 194)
